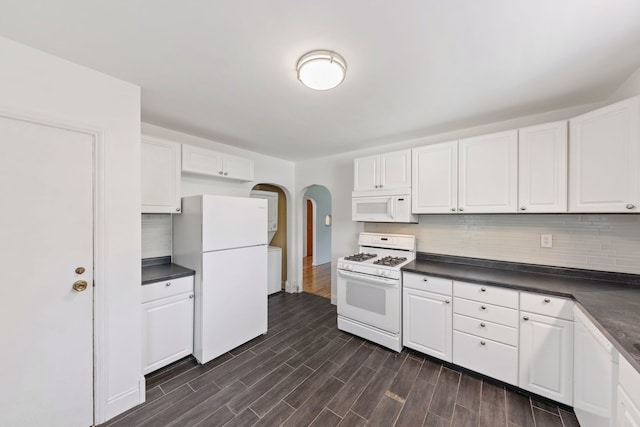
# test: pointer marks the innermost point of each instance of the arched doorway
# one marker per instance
(316, 262)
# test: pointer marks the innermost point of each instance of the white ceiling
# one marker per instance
(225, 70)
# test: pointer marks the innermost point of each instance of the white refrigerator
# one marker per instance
(224, 239)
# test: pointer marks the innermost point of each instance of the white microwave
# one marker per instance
(379, 208)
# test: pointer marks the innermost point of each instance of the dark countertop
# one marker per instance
(160, 269)
(611, 300)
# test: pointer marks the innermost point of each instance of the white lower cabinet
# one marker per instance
(426, 315)
(546, 356)
(628, 396)
(486, 356)
(167, 322)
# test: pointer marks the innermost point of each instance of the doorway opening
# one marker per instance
(316, 261)
(277, 229)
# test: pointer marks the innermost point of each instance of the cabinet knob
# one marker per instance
(191, 296)
(525, 318)
(547, 300)
(424, 279)
(226, 173)
(447, 301)
(460, 209)
(483, 289)
(380, 185)
(177, 209)
(483, 307)
(168, 284)
(523, 208)
(483, 343)
(453, 209)
(482, 325)
(630, 206)
(220, 173)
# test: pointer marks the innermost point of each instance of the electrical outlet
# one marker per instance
(546, 240)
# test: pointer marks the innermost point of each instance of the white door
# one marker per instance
(366, 171)
(395, 170)
(542, 168)
(160, 176)
(488, 175)
(435, 178)
(427, 323)
(237, 167)
(546, 356)
(604, 162)
(46, 365)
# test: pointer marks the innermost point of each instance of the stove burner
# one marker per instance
(360, 257)
(390, 261)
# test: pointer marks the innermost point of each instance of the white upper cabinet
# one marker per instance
(389, 171)
(488, 174)
(604, 164)
(212, 163)
(160, 173)
(435, 178)
(542, 168)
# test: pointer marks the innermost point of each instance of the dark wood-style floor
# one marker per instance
(305, 371)
(316, 279)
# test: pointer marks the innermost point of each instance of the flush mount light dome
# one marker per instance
(321, 69)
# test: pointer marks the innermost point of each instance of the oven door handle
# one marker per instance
(368, 278)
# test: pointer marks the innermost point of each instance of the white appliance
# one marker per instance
(274, 269)
(272, 209)
(595, 366)
(224, 239)
(382, 208)
(370, 288)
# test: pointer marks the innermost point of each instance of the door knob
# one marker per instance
(79, 285)
(80, 270)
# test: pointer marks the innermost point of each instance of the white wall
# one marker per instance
(322, 243)
(42, 86)
(628, 88)
(267, 170)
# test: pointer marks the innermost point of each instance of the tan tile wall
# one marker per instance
(596, 242)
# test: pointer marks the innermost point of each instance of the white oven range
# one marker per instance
(370, 288)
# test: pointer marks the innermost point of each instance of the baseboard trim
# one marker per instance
(126, 400)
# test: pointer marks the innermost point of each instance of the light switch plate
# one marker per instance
(546, 240)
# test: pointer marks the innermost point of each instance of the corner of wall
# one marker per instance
(630, 87)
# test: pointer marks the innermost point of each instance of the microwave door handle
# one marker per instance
(392, 208)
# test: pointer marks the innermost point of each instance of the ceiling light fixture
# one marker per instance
(321, 69)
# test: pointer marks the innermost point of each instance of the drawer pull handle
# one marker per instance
(447, 301)
(525, 318)
(547, 300)
(482, 325)
(483, 343)
(483, 307)
(483, 289)
(168, 284)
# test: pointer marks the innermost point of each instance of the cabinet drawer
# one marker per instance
(492, 313)
(427, 283)
(484, 293)
(546, 305)
(485, 356)
(486, 329)
(167, 288)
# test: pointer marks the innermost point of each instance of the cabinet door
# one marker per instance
(542, 168)
(160, 163)
(201, 161)
(627, 413)
(546, 356)
(427, 319)
(366, 173)
(395, 170)
(235, 167)
(604, 166)
(168, 330)
(488, 173)
(435, 178)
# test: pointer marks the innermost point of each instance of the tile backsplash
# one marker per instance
(156, 235)
(607, 242)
